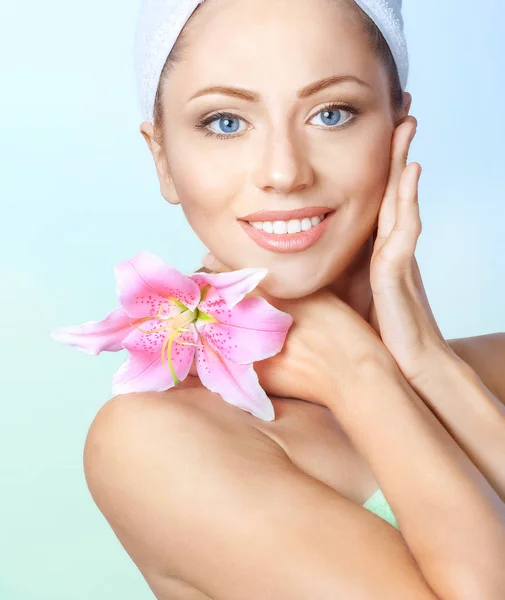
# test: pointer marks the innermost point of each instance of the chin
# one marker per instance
(289, 287)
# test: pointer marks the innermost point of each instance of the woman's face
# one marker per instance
(284, 150)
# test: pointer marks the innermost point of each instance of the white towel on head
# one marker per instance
(161, 21)
(387, 15)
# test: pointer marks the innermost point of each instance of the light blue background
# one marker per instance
(76, 183)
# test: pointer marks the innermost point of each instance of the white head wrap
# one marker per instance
(161, 21)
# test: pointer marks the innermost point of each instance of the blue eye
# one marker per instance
(227, 123)
(333, 116)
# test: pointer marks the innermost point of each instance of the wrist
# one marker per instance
(450, 381)
(441, 368)
(376, 390)
(333, 376)
(334, 349)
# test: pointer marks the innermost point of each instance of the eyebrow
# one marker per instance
(308, 90)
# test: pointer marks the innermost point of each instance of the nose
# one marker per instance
(283, 166)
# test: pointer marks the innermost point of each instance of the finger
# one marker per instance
(401, 243)
(372, 317)
(424, 298)
(213, 264)
(402, 139)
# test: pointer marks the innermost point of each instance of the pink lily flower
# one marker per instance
(167, 321)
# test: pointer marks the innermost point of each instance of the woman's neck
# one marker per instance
(353, 286)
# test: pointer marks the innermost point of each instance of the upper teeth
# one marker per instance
(281, 227)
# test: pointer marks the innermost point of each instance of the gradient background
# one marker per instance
(77, 179)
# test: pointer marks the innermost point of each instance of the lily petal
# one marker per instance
(145, 282)
(232, 286)
(237, 384)
(144, 370)
(93, 337)
(253, 330)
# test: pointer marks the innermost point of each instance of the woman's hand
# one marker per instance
(402, 329)
(328, 340)
(400, 310)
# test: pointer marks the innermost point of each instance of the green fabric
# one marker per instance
(379, 505)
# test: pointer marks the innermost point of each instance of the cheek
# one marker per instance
(205, 189)
(367, 168)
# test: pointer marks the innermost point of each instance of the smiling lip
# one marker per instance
(287, 215)
(287, 242)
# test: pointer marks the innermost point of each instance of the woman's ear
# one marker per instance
(407, 100)
(160, 161)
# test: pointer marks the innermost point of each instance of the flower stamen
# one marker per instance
(164, 328)
(167, 345)
(178, 325)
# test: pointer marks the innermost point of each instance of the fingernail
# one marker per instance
(412, 134)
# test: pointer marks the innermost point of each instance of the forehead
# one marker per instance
(242, 41)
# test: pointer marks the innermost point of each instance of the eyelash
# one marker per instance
(227, 115)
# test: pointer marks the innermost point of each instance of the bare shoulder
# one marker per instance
(136, 436)
(149, 458)
(486, 355)
(195, 499)
(193, 417)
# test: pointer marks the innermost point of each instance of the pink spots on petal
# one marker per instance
(146, 337)
(145, 281)
(215, 306)
(199, 280)
(253, 330)
(150, 346)
(152, 304)
(219, 339)
(237, 384)
(183, 351)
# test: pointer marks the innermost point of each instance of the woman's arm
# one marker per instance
(451, 518)
(219, 505)
(470, 412)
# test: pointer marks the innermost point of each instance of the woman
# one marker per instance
(370, 401)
